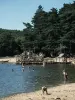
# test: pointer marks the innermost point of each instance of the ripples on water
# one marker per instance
(13, 80)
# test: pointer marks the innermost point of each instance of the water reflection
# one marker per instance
(32, 78)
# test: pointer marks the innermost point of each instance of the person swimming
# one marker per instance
(12, 70)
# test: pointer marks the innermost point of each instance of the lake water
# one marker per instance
(33, 78)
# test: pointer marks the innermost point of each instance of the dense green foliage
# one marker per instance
(10, 42)
(51, 32)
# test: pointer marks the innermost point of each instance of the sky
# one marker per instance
(14, 12)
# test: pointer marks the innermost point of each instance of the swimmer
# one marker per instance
(12, 70)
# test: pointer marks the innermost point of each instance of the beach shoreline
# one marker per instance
(46, 60)
(8, 59)
(61, 92)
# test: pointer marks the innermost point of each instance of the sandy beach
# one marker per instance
(8, 59)
(62, 92)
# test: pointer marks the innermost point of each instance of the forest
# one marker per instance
(51, 33)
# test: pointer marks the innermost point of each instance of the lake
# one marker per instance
(13, 80)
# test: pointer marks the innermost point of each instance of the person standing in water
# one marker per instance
(22, 67)
(65, 75)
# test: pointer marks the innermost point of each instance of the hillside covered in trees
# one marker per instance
(51, 32)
